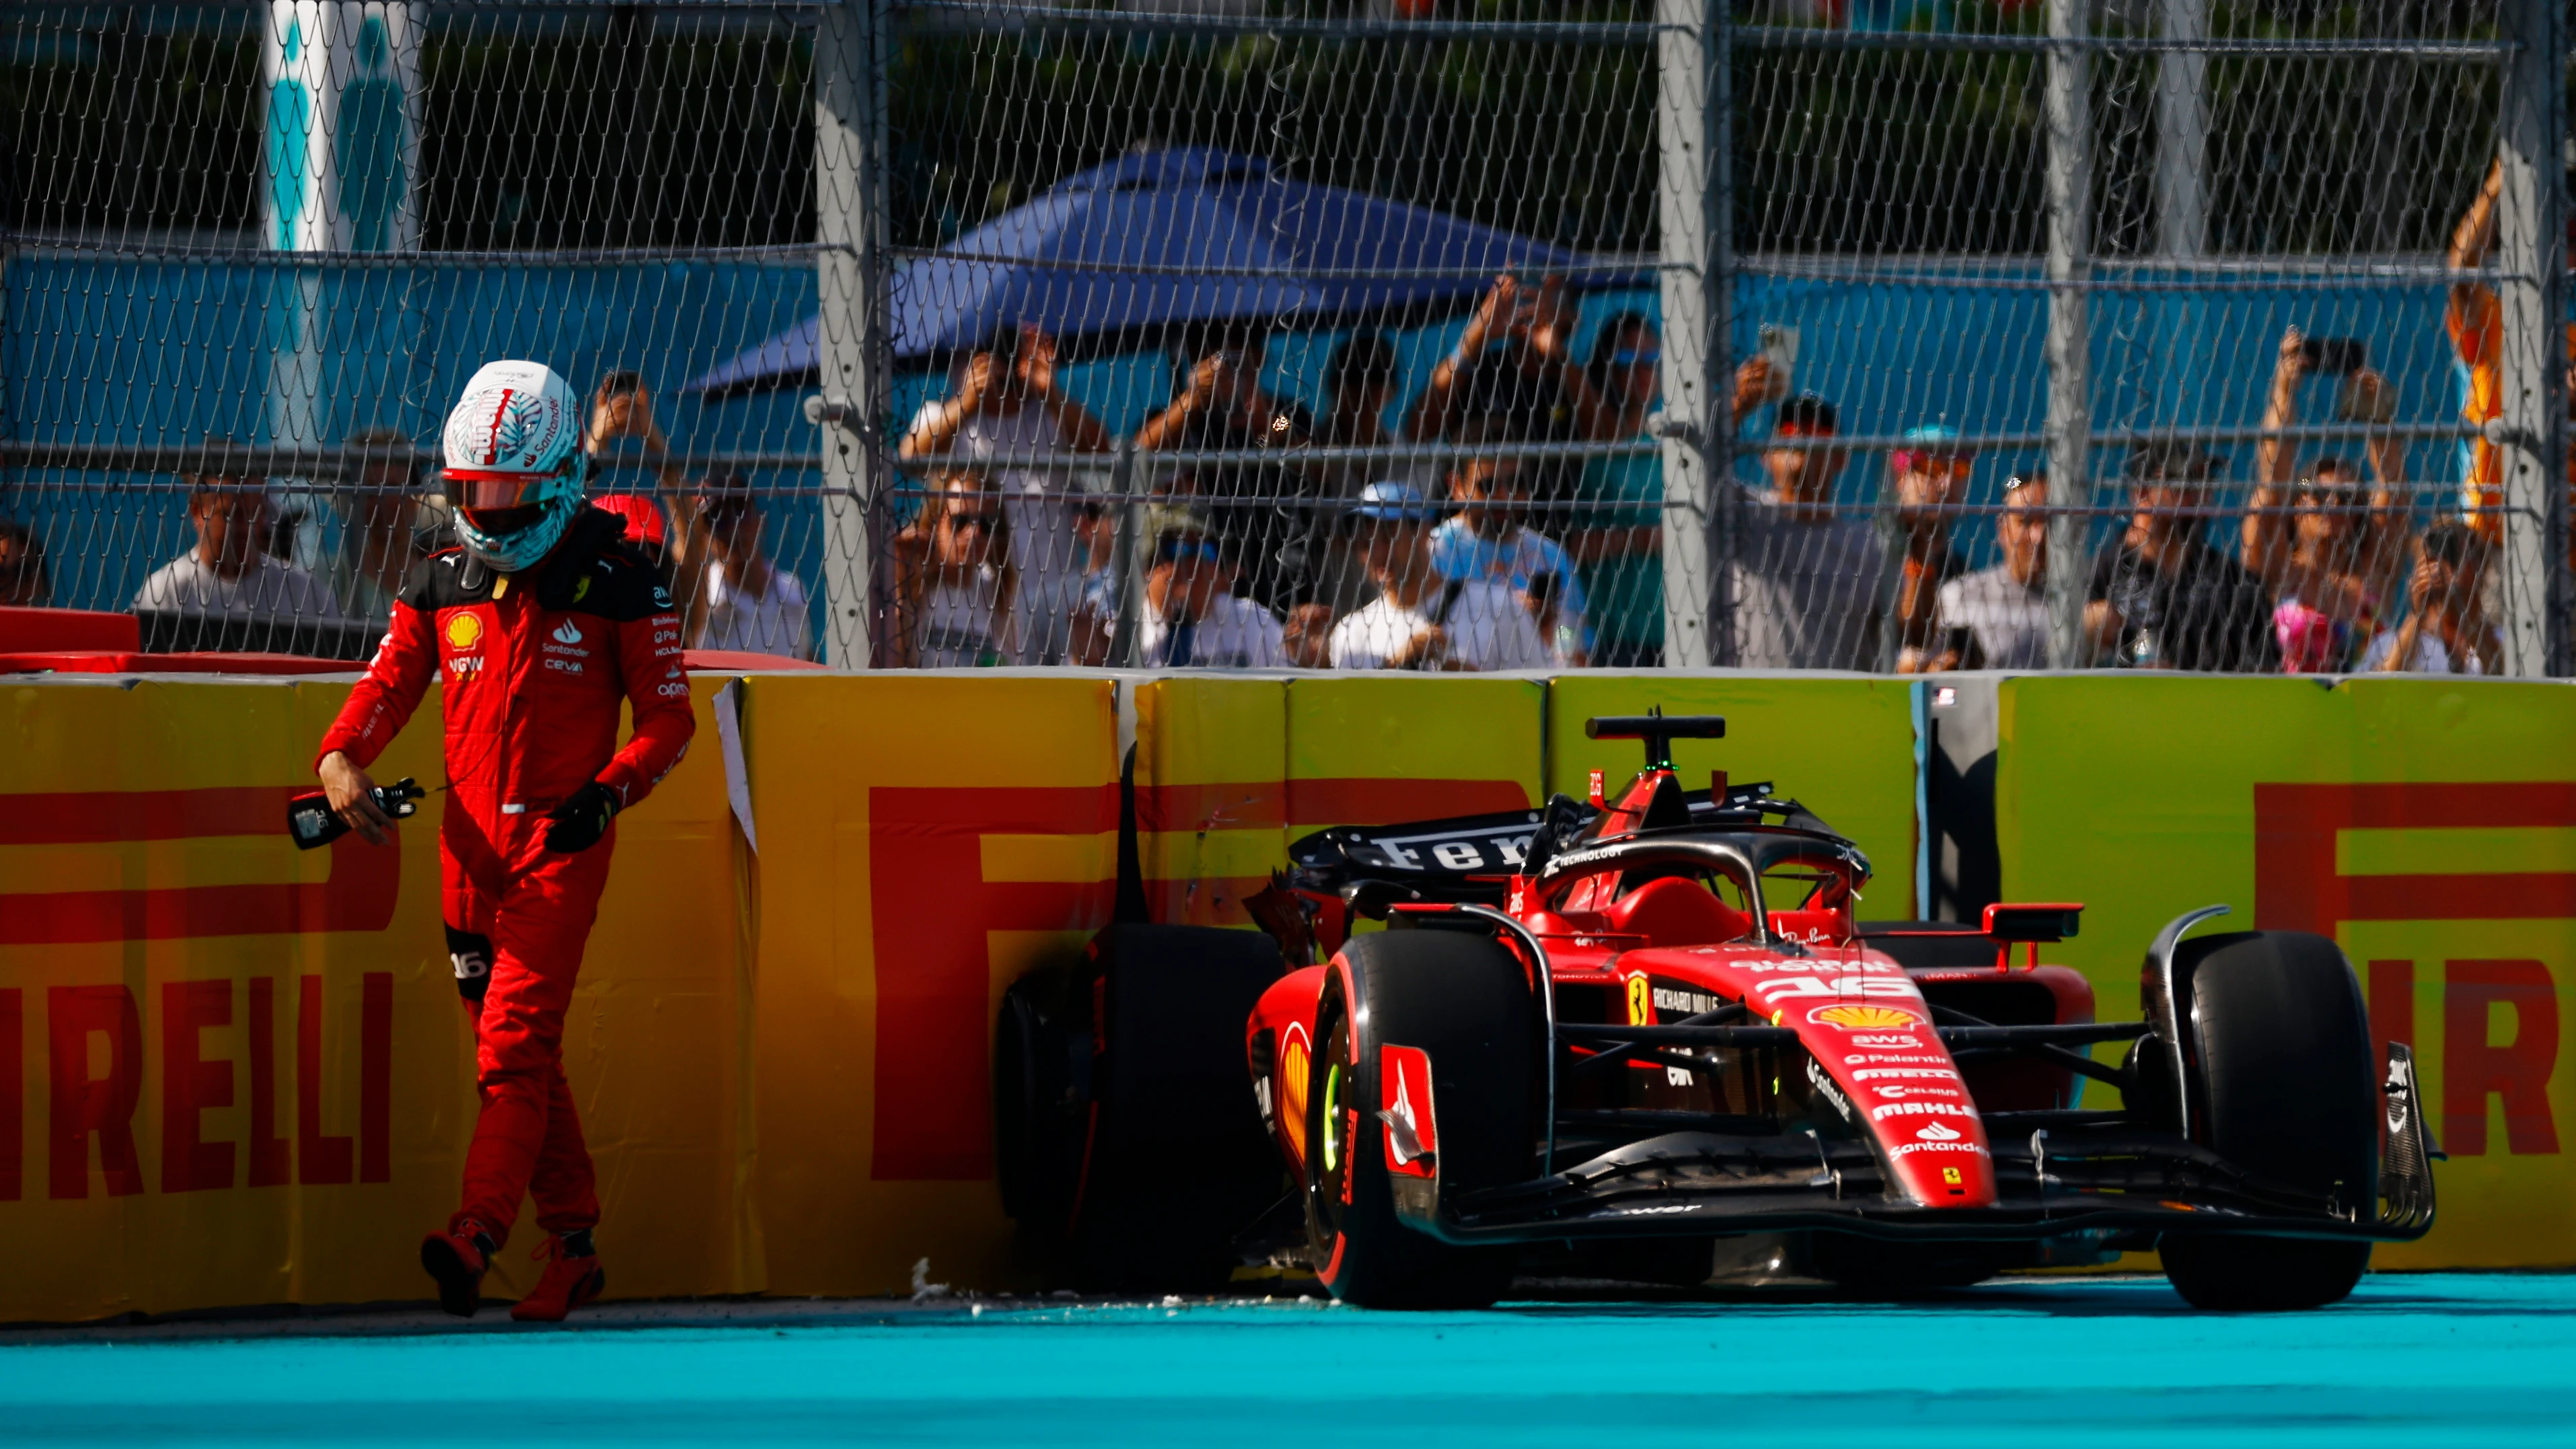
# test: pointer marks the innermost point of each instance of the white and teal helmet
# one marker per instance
(515, 466)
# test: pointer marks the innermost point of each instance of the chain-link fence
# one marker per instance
(1218, 332)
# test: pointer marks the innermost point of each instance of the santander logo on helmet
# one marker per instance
(518, 422)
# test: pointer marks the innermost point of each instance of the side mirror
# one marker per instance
(2054, 921)
(2030, 924)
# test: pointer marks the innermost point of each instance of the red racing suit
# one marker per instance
(532, 669)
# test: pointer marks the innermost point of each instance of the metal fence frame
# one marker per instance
(1693, 42)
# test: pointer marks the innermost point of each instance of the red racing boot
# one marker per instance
(457, 1258)
(572, 1278)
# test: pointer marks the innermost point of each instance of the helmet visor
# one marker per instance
(477, 491)
(502, 522)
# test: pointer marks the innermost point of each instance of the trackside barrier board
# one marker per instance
(1230, 769)
(232, 1073)
(1374, 749)
(925, 840)
(235, 1073)
(1211, 792)
(1842, 745)
(2428, 825)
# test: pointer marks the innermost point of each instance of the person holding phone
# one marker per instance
(1809, 583)
(622, 407)
(1515, 359)
(541, 629)
(1008, 398)
(2331, 560)
(1619, 547)
(1258, 515)
(956, 595)
(2448, 631)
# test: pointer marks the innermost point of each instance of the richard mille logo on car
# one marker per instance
(1693, 1002)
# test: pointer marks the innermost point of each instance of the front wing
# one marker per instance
(2080, 1178)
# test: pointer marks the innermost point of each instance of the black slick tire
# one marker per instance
(1465, 1002)
(1171, 1162)
(1037, 1118)
(2282, 1084)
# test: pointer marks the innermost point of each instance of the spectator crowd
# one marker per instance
(1496, 549)
(1507, 556)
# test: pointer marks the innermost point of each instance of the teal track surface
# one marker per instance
(2411, 1359)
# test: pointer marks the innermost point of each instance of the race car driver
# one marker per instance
(536, 629)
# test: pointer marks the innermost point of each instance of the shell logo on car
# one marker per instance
(1864, 1018)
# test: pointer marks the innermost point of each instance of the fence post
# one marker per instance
(2182, 133)
(2531, 256)
(1133, 555)
(1692, 211)
(850, 348)
(2069, 118)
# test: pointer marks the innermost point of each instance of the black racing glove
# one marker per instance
(581, 820)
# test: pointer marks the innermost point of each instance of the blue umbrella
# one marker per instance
(1115, 255)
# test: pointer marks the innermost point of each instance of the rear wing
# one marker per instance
(1360, 870)
(1450, 853)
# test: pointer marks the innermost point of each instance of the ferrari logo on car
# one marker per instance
(1641, 1002)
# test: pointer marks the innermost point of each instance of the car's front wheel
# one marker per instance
(2282, 1085)
(1463, 1004)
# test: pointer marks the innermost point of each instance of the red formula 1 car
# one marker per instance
(1608, 1038)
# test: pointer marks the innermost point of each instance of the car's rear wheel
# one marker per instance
(1125, 1124)
(2281, 1084)
(1464, 1002)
